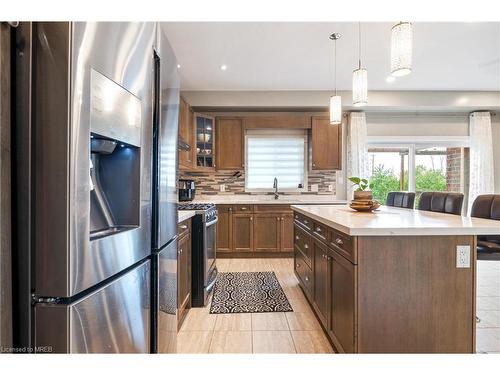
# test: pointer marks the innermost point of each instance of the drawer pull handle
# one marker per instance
(306, 246)
(338, 241)
(298, 265)
(230, 209)
(318, 229)
(305, 222)
(243, 208)
(296, 216)
(307, 278)
(183, 226)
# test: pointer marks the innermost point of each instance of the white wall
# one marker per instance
(495, 125)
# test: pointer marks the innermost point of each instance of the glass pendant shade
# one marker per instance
(360, 87)
(335, 110)
(401, 49)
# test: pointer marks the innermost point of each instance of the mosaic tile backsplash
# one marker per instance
(209, 182)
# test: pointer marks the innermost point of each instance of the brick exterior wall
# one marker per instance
(454, 169)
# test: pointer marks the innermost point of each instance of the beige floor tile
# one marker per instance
(231, 342)
(300, 305)
(233, 322)
(311, 342)
(194, 341)
(488, 339)
(199, 320)
(302, 321)
(273, 321)
(272, 342)
(293, 292)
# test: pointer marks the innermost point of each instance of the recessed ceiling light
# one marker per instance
(178, 66)
(390, 79)
(223, 67)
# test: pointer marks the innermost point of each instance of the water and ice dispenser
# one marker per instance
(115, 158)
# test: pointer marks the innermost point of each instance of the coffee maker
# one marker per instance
(187, 190)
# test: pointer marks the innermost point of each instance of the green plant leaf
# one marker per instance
(355, 180)
(364, 180)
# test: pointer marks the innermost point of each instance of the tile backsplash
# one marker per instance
(209, 182)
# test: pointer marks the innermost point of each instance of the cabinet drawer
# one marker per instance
(302, 241)
(224, 208)
(320, 231)
(272, 208)
(304, 273)
(343, 244)
(304, 221)
(243, 208)
(183, 228)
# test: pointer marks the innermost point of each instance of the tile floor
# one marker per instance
(299, 331)
(488, 307)
(290, 332)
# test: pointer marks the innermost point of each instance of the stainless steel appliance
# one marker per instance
(203, 256)
(164, 239)
(84, 231)
(187, 190)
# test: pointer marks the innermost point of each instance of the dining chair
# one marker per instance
(487, 207)
(402, 199)
(441, 201)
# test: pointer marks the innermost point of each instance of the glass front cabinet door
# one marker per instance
(205, 141)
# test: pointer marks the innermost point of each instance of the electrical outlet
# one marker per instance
(314, 187)
(330, 187)
(222, 188)
(463, 256)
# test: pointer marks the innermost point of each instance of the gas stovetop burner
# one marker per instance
(196, 206)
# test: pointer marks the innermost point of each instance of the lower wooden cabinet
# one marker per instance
(243, 233)
(322, 284)
(332, 290)
(268, 230)
(183, 270)
(255, 230)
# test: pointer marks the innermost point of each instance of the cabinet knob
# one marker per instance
(305, 222)
(251, 219)
(296, 237)
(307, 278)
(296, 216)
(318, 229)
(338, 241)
(230, 209)
(314, 164)
(306, 246)
(298, 265)
(183, 226)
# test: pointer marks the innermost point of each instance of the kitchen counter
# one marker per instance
(268, 199)
(184, 215)
(392, 281)
(391, 221)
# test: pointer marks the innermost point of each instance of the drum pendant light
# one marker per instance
(401, 49)
(335, 100)
(359, 79)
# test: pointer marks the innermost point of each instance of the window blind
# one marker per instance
(275, 155)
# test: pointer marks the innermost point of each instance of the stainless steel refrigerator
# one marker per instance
(84, 139)
(164, 238)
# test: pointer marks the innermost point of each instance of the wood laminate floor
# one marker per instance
(291, 332)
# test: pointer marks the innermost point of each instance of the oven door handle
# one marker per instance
(210, 223)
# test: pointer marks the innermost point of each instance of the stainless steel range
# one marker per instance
(204, 238)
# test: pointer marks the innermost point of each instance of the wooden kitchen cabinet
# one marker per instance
(286, 235)
(326, 144)
(224, 228)
(205, 144)
(229, 143)
(343, 303)
(322, 285)
(268, 230)
(186, 134)
(183, 270)
(243, 232)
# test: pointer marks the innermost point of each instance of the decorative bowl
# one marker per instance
(364, 205)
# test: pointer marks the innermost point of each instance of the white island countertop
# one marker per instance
(390, 221)
(184, 215)
(268, 199)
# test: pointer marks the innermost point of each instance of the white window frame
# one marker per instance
(412, 143)
(265, 133)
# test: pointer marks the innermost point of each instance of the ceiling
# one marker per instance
(299, 55)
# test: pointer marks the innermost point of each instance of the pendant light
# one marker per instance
(401, 49)
(335, 100)
(359, 79)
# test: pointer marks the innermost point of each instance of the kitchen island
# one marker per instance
(391, 281)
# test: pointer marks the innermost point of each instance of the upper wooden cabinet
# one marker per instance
(326, 144)
(186, 134)
(229, 143)
(205, 144)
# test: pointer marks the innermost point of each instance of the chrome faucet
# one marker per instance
(275, 187)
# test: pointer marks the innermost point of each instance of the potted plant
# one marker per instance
(362, 185)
